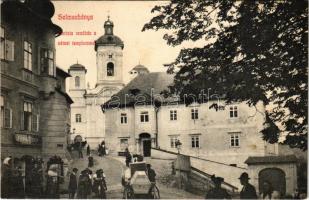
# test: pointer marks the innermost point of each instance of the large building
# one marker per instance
(139, 117)
(35, 109)
(87, 118)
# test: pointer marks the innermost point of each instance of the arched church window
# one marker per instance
(110, 69)
(77, 81)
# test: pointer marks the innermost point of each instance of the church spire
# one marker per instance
(108, 26)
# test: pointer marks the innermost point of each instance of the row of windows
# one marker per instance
(234, 140)
(144, 116)
(47, 58)
(29, 120)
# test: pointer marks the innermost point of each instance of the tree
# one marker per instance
(253, 51)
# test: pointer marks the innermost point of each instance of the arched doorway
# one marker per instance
(275, 176)
(145, 144)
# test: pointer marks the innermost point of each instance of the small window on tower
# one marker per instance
(110, 69)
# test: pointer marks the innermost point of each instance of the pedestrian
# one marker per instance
(73, 183)
(103, 149)
(268, 192)
(52, 185)
(128, 157)
(151, 174)
(84, 185)
(80, 152)
(6, 178)
(36, 181)
(100, 149)
(217, 192)
(18, 184)
(248, 191)
(88, 150)
(99, 185)
(90, 161)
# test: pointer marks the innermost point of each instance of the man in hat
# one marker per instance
(248, 190)
(73, 183)
(217, 192)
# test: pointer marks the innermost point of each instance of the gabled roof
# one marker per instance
(145, 87)
(271, 159)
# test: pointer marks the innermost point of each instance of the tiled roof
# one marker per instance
(271, 159)
(141, 88)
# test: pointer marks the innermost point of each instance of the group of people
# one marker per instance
(248, 191)
(18, 182)
(86, 184)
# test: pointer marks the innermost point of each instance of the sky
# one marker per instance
(147, 48)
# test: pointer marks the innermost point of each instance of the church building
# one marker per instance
(88, 121)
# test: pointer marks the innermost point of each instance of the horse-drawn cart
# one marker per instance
(137, 184)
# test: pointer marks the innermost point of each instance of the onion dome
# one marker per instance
(108, 39)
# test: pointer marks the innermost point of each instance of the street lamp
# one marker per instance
(178, 145)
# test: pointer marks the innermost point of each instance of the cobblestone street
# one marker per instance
(113, 167)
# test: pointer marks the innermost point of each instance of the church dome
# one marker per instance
(108, 39)
(139, 69)
(77, 67)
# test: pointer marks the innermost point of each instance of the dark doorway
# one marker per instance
(275, 176)
(147, 148)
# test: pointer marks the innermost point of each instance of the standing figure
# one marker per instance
(90, 161)
(248, 191)
(6, 178)
(80, 148)
(128, 157)
(88, 150)
(73, 183)
(217, 192)
(100, 150)
(84, 185)
(52, 186)
(103, 150)
(99, 185)
(18, 184)
(36, 181)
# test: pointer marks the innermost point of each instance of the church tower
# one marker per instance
(109, 48)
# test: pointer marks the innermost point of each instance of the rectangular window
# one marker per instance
(144, 117)
(2, 44)
(123, 144)
(173, 115)
(6, 47)
(2, 110)
(78, 118)
(123, 118)
(27, 116)
(27, 55)
(233, 112)
(194, 113)
(47, 62)
(35, 124)
(8, 118)
(234, 139)
(195, 141)
(173, 140)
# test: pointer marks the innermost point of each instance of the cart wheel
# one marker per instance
(155, 192)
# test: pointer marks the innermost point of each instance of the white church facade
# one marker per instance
(87, 118)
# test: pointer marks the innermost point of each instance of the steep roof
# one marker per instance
(145, 88)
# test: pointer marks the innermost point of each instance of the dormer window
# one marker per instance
(110, 69)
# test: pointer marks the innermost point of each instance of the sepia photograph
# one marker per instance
(151, 99)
